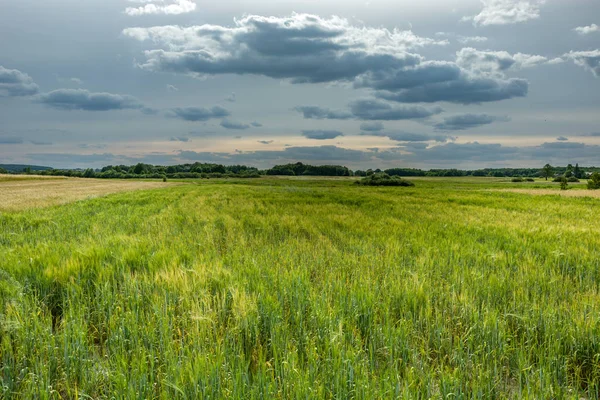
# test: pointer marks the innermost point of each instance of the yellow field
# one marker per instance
(37, 191)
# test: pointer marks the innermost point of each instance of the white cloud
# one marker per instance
(504, 12)
(585, 30)
(589, 60)
(158, 7)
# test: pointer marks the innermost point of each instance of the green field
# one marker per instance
(303, 288)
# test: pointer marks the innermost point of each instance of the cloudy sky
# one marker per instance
(363, 83)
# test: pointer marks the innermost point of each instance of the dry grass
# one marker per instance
(555, 192)
(20, 194)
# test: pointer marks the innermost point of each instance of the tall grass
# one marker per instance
(302, 289)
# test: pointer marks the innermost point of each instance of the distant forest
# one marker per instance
(206, 171)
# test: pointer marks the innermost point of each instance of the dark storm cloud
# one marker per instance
(265, 141)
(467, 121)
(228, 124)
(374, 126)
(321, 134)
(81, 99)
(562, 138)
(11, 140)
(195, 114)
(15, 83)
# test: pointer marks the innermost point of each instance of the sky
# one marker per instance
(362, 83)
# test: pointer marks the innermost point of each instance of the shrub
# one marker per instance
(564, 184)
(383, 179)
(530, 179)
(558, 179)
(517, 180)
(572, 179)
(594, 181)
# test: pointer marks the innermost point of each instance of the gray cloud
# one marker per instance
(591, 134)
(562, 138)
(315, 112)
(374, 126)
(304, 48)
(80, 99)
(179, 139)
(10, 140)
(409, 137)
(321, 134)
(228, 124)
(466, 90)
(256, 124)
(467, 121)
(589, 60)
(171, 88)
(586, 30)
(371, 109)
(195, 114)
(40, 143)
(15, 83)
(321, 154)
(309, 49)
(265, 141)
(486, 62)
(504, 12)
(91, 146)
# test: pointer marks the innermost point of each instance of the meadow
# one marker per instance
(302, 288)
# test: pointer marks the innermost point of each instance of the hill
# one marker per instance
(22, 167)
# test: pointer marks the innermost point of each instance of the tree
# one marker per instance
(139, 169)
(594, 181)
(577, 172)
(547, 171)
(569, 171)
(3, 171)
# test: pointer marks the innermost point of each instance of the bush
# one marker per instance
(516, 180)
(564, 183)
(383, 179)
(572, 179)
(558, 179)
(594, 181)
(530, 179)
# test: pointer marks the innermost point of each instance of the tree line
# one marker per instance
(210, 170)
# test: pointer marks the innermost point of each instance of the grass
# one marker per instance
(294, 288)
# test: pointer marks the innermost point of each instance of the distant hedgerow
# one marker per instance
(383, 179)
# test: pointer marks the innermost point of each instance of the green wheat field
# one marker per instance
(304, 288)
